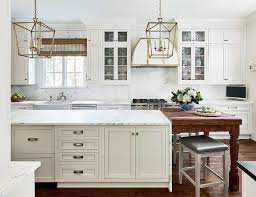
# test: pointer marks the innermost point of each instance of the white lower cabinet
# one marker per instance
(136, 153)
(151, 153)
(111, 156)
(119, 153)
(35, 143)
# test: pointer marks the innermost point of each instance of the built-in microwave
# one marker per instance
(236, 92)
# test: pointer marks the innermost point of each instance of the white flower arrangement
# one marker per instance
(186, 96)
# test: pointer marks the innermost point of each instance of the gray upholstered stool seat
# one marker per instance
(203, 144)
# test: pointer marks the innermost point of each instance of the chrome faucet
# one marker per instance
(61, 97)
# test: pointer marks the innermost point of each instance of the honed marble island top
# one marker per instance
(88, 117)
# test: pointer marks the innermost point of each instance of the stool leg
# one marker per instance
(180, 163)
(174, 149)
(225, 173)
(204, 168)
(197, 174)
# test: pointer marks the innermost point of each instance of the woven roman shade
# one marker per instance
(64, 47)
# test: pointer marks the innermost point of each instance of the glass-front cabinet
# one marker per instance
(116, 63)
(117, 55)
(111, 36)
(193, 63)
(193, 36)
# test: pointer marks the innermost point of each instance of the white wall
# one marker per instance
(251, 57)
(4, 91)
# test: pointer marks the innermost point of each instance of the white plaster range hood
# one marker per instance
(140, 57)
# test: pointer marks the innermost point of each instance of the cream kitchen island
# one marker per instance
(109, 148)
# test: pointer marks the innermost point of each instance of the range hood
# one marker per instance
(140, 57)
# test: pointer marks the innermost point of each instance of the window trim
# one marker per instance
(41, 75)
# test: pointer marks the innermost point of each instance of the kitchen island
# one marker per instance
(95, 148)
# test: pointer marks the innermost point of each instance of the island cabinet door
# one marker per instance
(120, 153)
(151, 153)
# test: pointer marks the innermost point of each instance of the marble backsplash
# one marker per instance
(145, 83)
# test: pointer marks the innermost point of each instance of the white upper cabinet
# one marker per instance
(216, 64)
(109, 55)
(233, 64)
(23, 68)
(193, 63)
(94, 36)
(212, 56)
(116, 56)
(233, 36)
(217, 36)
(198, 36)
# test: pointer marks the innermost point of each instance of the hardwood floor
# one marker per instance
(247, 151)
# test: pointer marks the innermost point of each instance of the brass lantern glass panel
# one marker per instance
(28, 36)
(161, 39)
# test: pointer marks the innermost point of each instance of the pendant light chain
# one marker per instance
(35, 9)
(160, 8)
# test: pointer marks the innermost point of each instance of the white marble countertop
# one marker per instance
(85, 102)
(89, 117)
(19, 169)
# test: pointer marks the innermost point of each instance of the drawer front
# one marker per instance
(45, 173)
(77, 173)
(114, 107)
(79, 157)
(33, 140)
(89, 144)
(78, 132)
(233, 108)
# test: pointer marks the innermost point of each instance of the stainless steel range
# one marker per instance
(149, 104)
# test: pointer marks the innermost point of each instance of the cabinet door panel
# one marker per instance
(119, 153)
(19, 68)
(94, 54)
(216, 63)
(233, 36)
(94, 37)
(150, 153)
(233, 63)
(216, 36)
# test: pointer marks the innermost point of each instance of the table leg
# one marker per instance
(234, 147)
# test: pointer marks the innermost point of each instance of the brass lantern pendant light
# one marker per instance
(29, 36)
(161, 37)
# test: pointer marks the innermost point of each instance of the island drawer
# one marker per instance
(32, 139)
(77, 173)
(78, 132)
(79, 157)
(88, 144)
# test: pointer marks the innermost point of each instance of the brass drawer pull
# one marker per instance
(78, 171)
(78, 156)
(78, 132)
(78, 144)
(32, 139)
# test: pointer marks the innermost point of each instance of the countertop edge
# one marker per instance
(246, 170)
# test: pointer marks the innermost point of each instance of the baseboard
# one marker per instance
(112, 185)
(253, 136)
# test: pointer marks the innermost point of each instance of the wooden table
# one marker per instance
(184, 121)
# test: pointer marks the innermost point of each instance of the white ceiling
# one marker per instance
(141, 10)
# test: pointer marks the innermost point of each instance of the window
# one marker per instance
(64, 72)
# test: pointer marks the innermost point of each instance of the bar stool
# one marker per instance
(202, 147)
